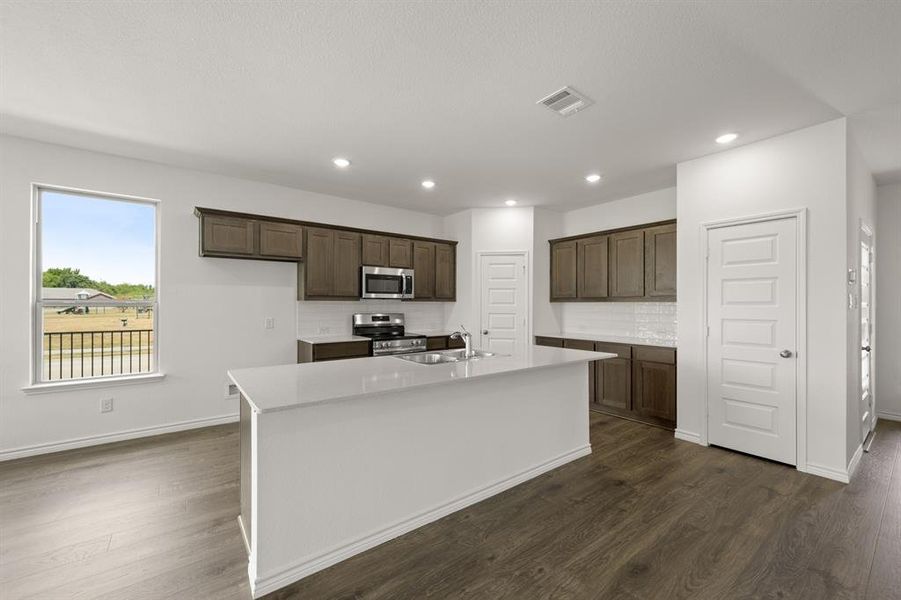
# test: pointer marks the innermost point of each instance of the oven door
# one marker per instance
(383, 282)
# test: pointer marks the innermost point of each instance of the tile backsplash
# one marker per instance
(646, 320)
(317, 318)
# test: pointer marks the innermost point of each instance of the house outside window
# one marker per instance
(96, 305)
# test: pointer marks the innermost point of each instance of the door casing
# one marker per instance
(800, 217)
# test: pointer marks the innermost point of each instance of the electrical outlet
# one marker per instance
(270, 323)
(106, 405)
(231, 390)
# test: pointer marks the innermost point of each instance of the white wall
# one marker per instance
(805, 168)
(212, 310)
(547, 315)
(888, 302)
(861, 202)
(659, 205)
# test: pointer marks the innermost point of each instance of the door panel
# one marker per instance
(752, 304)
(563, 270)
(626, 264)
(660, 260)
(503, 303)
(654, 389)
(375, 250)
(614, 383)
(400, 253)
(592, 267)
(347, 264)
(318, 270)
(228, 235)
(867, 412)
(281, 239)
(424, 270)
(445, 272)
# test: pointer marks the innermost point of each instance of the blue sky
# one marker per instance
(107, 239)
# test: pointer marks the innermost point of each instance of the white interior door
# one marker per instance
(751, 338)
(503, 320)
(866, 330)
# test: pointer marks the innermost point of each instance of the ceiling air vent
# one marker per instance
(566, 101)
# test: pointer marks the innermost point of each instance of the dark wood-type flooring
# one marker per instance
(644, 517)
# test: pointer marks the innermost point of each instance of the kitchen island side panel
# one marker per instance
(337, 478)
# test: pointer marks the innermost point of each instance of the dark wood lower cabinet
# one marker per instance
(309, 352)
(443, 342)
(638, 384)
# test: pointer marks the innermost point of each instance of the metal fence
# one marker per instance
(79, 354)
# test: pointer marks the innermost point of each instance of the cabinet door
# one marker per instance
(319, 266)
(400, 253)
(548, 341)
(347, 265)
(660, 260)
(614, 384)
(592, 267)
(626, 263)
(282, 240)
(227, 235)
(375, 250)
(424, 270)
(563, 270)
(445, 272)
(654, 390)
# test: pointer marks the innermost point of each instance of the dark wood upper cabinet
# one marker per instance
(626, 264)
(563, 270)
(424, 270)
(227, 236)
(445, 272)
(400, 253)
(375, 250)
(347, 265)
(660, 260)
(592, 267)
(281, 240)
(319, 262)
(332, 268)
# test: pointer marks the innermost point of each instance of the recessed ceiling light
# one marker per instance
(726, 138)
(341, 163)
(510, 202)
(428, 184)
(593, 178)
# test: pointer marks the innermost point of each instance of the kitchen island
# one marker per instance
(338, 457)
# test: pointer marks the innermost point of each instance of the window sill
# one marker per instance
(82, 384)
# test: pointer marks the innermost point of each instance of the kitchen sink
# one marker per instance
(438, 358)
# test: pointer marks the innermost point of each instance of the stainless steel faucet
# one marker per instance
(467, 341)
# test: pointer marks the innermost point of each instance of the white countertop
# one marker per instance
(612, 338)
(331, 338)
(288, 386)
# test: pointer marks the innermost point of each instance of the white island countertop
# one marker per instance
(288, 386)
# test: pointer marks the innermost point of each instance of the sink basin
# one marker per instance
(448, 356)
(428, 358)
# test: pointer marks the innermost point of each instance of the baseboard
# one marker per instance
(854, 462)
(827, 472)
(288, 575)
(106, 438)
(888, 415)
(688, 436)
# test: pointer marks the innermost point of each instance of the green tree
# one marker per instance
(65, 277)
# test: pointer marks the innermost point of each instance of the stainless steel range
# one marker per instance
(386, 330)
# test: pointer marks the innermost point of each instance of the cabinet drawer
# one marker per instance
(340, 350)
(655, 354)
(579, 344)
(621, 350)
(548, 341)
(281, 240)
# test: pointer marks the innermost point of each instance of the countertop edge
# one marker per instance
(257, 409)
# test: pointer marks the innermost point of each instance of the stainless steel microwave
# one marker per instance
(385, 282)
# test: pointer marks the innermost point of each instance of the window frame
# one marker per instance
(37, 383)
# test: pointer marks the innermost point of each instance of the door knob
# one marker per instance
(484, 332)
(785, 354)
(865, 348)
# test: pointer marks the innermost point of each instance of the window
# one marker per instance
(95, 307)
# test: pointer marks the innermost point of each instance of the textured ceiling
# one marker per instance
(447, 90)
